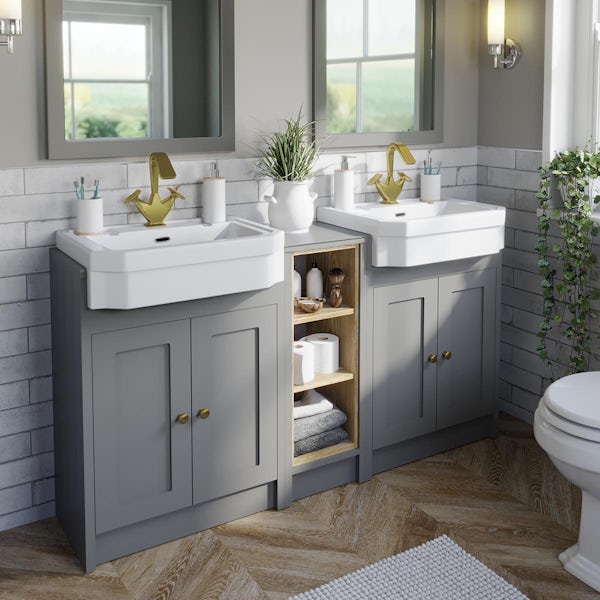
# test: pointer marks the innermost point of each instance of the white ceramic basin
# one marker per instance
(131, 266)
(413, 233)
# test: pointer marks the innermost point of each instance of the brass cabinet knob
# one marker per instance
(182, 418)
(203, 413)
(432, 358)
(446, 355)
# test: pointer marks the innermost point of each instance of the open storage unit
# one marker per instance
(340, 387)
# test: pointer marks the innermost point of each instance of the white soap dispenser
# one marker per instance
(343, 186)
(314, 282)
(213, 196)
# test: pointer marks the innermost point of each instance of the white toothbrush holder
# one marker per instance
(431, 188)
(213, 200)
(90, 216)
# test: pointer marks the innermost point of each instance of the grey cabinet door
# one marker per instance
(404, 381)
(234, 358)
(142, 456)
(467, 325)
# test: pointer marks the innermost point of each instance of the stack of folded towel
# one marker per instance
(317, 423)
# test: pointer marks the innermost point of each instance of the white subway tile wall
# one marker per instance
(35, 202)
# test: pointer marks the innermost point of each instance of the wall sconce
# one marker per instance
(506, 52)
(10, 22)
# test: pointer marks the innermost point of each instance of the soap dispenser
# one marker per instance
(213, 196)
(314, 282)
(343, 186)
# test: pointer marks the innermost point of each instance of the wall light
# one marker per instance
(506, 52)
(10, 22)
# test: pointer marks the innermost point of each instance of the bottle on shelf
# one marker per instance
(314, 282)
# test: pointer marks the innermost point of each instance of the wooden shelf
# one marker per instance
(323, 453)
(325, 313)
(322, 380)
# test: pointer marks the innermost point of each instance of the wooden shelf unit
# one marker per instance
(340, 387)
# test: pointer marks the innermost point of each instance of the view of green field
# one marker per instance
(387, 96)
(107, 110)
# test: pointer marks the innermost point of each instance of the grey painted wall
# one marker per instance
(273, 76)
(510, 101)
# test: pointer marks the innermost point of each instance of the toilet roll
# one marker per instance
(327, 351)
(304, 363)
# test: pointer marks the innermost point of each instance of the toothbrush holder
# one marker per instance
(90, 216)
(431, 188)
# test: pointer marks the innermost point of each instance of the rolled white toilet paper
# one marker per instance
(327, 351)
(304, 363)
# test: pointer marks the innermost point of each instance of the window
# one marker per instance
(114, 72)
(371, 67)
(378, 71)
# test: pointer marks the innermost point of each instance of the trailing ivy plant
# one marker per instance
(566, 265)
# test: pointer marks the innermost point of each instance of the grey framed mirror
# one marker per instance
(125, 77)
(378, 72)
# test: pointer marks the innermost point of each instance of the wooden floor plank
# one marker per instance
(501, 500)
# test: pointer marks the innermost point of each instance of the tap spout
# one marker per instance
(160, 166)
(156, 209)
(390, 189)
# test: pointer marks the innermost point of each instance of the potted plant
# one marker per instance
(288, 158)
(566, 263)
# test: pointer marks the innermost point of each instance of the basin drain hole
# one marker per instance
(400, 214)
(162, 239)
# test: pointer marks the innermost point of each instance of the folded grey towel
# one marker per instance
(321, 440)
(309, 426)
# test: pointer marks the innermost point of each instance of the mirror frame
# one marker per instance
(374, 139)
(59, 147)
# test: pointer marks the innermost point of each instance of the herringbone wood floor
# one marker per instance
(499, 499)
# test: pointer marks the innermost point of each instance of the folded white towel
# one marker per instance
(312, 403)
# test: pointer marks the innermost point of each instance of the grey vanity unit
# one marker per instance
(431, 343)
(172, 419)
(166, 417)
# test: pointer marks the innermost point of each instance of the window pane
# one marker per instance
(388, 96)
(344, 28)
(110, 110)
(108, 51)
(341, 98)
(392, 27)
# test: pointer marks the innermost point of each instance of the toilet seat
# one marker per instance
(572, 405)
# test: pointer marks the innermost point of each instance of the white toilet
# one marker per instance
(567, 427)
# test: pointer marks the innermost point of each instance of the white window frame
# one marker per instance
(156, 16)
(571, 76)
(359, 61)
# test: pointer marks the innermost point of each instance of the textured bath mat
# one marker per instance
(436, 570)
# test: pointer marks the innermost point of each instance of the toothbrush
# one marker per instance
(96, 184)
(82, 197)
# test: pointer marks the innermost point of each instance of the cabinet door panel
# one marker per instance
(141, 381)
(467, 322)
(404, 382)
(235, 378)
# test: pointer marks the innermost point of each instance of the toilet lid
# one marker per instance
(567, 426)
(576, 398)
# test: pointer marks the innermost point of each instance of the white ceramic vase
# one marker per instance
(291, 207)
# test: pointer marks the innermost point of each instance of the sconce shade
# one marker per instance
(10, 9)
(495, 22)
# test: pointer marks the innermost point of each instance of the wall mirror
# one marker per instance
(128, 77)
(378, 71)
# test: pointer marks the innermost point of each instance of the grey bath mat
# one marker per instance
(436, 570)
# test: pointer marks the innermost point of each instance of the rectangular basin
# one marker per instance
(132, 266)
(413, 233)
